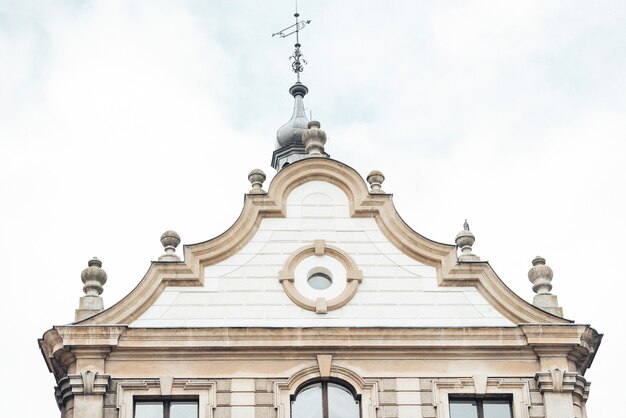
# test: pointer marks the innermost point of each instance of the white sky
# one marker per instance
(121, 119)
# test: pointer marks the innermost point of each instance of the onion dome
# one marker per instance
(289, 145)
(291, 132)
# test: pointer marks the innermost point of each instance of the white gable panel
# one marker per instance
(244, 290)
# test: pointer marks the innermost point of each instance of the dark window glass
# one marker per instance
(320, 281)
(480, 408)
(325, 400)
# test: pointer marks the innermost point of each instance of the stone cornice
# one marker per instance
(63, 346)
(98, 341)
(90, 336)
(362, 203)
(578, 343)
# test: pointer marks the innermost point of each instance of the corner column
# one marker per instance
(90, 383)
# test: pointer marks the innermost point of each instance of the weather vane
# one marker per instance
(298, 62)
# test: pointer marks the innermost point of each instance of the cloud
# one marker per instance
(121, 119)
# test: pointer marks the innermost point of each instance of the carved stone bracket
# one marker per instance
(89, 383)
(85, 383)
(557, 381)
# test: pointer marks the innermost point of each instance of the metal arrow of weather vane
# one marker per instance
(298, 62)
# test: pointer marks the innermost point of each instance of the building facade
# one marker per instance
(320, 302)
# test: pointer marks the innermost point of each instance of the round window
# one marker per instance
(319, 280)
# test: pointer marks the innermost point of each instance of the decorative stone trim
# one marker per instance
(581, 391)
(324, 362)
(361, 204)
(557, 381)
(89, 383)
(85, 383)
(321, 305)
(204, 389)
(519, 389)
(283, 390)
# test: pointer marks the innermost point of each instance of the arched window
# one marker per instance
(326, 399)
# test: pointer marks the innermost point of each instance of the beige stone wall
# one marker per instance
(110, 401)
(400, 397)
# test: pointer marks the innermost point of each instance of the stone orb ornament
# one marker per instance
(170, 239)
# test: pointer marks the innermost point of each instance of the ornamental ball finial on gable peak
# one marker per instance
(170, 240)
(314, 140)
(375, 178)
(93, 278)
(464, 240)
(540, 275)
(256, 178)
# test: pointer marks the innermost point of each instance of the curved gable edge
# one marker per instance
(450, 271)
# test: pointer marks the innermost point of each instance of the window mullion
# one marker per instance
(166, 409)
(479, 406)
(325, 400)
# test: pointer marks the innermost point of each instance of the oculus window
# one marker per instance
(480, 408)
(325, 400)
(166, 409)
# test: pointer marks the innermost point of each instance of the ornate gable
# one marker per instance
(318, 216)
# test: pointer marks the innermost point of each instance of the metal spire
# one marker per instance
(298, 62)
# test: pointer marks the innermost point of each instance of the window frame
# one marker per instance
(166, 401)
(132, 390)
(324, 387)
(368, 390)
(480, 402)
(480, 386)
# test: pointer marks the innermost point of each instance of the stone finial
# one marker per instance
(540, 276)
(375, 178)
(93, 277)
(256, 178)
(170, 240)
(314, 140)
(464, 240)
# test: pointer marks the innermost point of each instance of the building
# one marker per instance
(320, 302)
